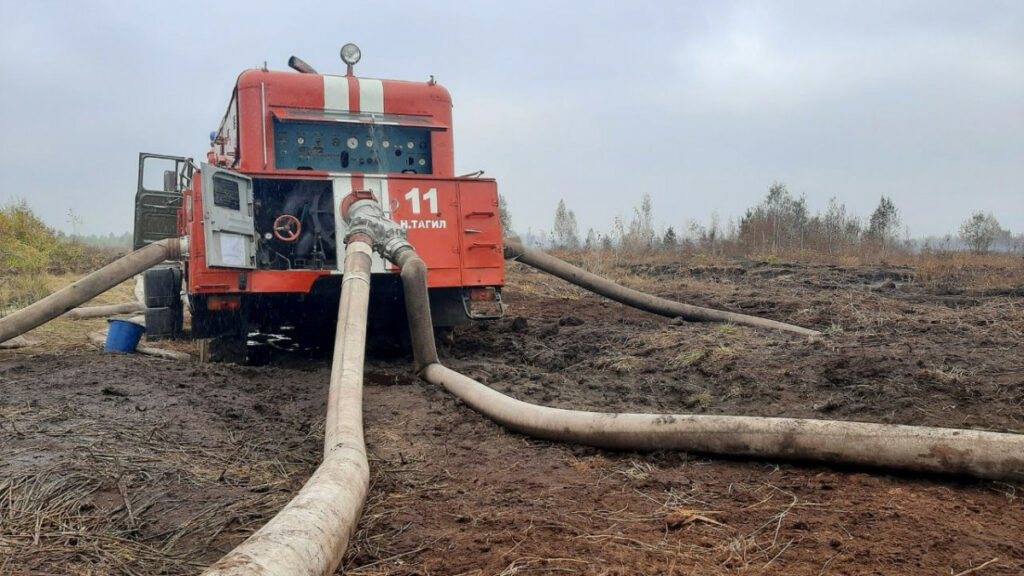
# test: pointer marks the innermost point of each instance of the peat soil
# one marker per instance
(117, 464)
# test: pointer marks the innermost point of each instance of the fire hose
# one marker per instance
(46, 309)
(514, 250)
(915, 448)
(310, 534)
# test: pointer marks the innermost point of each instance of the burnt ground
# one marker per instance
(116, 464)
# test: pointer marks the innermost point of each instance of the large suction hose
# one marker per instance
(916, 448)
(88, 288)
(103, 311)
(308, 537)
(514, 250)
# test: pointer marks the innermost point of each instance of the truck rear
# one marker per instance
(263, 214)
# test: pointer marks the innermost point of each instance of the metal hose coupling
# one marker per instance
(364, 215)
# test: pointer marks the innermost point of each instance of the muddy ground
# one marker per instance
(131, 465)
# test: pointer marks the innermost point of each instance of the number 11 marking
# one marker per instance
(413, 196)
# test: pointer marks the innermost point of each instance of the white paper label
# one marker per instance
(232, 250)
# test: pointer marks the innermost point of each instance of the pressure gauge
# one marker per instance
(385, 143)
(410, 145)
(301, 140)
(353, 143)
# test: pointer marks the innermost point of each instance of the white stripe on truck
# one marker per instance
(336, 93)
(371, 96)
(376, 183)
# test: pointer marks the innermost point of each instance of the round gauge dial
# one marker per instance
(353, 143)
(300, 140)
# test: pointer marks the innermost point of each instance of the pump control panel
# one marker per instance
(352, 147)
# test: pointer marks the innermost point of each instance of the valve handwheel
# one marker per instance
(287, 228)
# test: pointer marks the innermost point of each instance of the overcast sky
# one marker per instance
(703, 106)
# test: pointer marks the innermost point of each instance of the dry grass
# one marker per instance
(17, 290)
(62, 335)
(964, 270)
(618, 363)
(533, 283)
(91, 510)
(686, 360)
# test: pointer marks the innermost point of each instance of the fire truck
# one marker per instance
(263, 220)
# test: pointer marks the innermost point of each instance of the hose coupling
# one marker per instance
(364, 215)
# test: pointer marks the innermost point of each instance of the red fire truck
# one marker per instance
(262, 214)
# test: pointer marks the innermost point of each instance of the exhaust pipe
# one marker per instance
(299, 65)
(87, 288)
(914, 448)
(310, 534)
(514, 250)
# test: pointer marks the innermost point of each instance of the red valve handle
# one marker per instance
(287, 228)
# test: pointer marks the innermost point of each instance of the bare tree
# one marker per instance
(504, 216)
(780, 221)
(715, 232)
(980, 231)
(641, 227)
(565, 233)
(618, 235)
(839, 228)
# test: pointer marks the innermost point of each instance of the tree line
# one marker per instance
(780, 223)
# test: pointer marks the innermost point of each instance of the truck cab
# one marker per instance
(263, 218)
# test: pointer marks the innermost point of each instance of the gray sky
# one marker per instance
(702, 105)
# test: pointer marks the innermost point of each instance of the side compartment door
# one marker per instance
(483, 261)
(228, 223)
(158, 197)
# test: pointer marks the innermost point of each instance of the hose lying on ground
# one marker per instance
(916, 448)
(87, 288)
(514, 250)
(104, 311)
(19, 342)
(310, 534)
(100, 338)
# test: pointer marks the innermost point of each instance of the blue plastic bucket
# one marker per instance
(123, 336)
